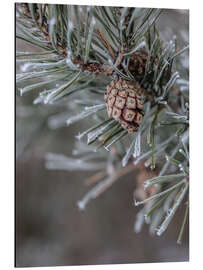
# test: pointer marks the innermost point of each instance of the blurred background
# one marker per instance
(50, 229)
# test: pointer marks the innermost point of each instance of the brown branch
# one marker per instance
(106, 43)
(95, 178)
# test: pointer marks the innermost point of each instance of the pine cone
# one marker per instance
(144, 173)
(125, 103)
(138, 62)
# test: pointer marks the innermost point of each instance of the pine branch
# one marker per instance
(84, 51)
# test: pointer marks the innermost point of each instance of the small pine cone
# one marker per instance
(144, 173)
(138, 62)
(124, 101)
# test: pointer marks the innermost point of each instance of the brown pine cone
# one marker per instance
(142, 175)
(125, 103)
(138, 62)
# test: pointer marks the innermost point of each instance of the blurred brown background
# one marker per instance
(50, 229)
